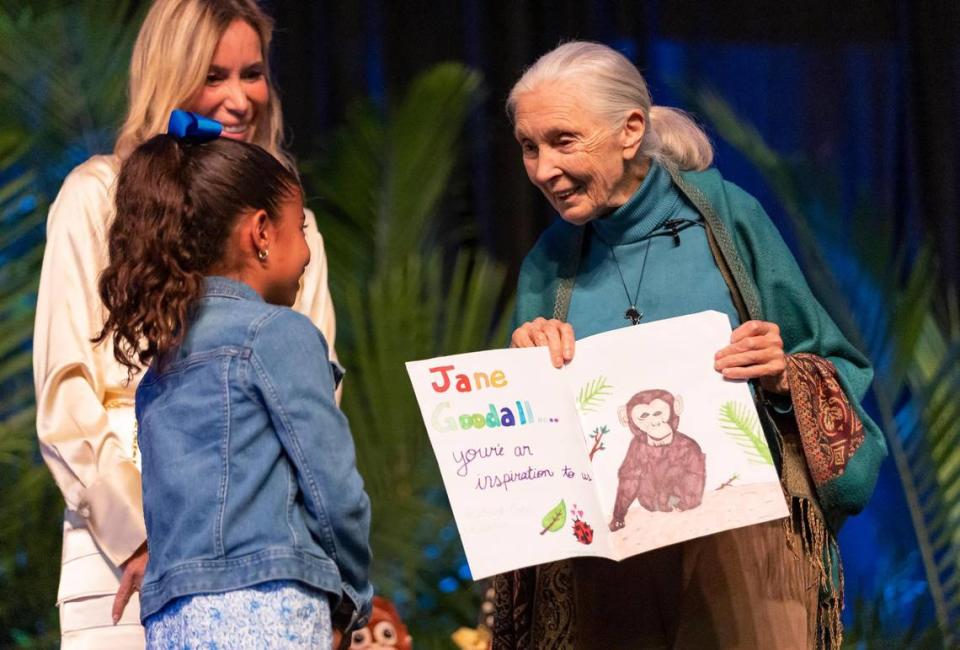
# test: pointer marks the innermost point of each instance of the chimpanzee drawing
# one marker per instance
(663, 469)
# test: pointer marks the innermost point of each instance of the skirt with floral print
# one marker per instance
(278, 614)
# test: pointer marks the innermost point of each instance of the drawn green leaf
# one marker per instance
(742, 425)
(593, 394)
(555, 519)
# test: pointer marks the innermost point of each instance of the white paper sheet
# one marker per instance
(531, 456)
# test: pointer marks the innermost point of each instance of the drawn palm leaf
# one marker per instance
(593, 394)
(742, 425)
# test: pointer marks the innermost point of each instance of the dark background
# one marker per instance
(866, 88)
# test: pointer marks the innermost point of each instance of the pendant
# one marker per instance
(633, 315)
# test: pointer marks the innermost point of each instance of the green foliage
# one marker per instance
(62, 77)
(743, 426)
(593, 394)
(380, 183)
(891, 306)
(25, 487)
(381, 180)
(63, 66)
(877, 625)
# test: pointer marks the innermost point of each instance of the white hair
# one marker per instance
(613, 87)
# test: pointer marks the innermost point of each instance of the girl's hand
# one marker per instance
(755, 352)
(555, 334)
(130, 581)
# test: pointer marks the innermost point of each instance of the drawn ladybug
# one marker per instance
(582, 531)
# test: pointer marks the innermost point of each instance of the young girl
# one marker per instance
(256, 516)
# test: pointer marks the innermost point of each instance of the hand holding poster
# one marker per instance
(637, 443)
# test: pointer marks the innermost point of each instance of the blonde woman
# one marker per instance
(207, 56)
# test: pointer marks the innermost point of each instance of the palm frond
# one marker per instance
(877, 626)
(744, 428)
(62, 81)
(593, 394)
(393, 449)
(785, 179)
(398, 299)
(428, 121)
(21, 248)
(64, 72)
(383, 177)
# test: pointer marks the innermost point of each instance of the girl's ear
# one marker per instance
(253, 235)
(258, 235)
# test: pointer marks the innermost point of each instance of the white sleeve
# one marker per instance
(314, 299)
(94, 470)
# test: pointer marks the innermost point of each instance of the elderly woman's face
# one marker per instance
(575, 157)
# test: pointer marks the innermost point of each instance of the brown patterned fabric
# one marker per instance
(829, 427)
(513, 604)
(535, 608)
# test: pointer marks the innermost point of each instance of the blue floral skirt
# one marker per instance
(278, 614)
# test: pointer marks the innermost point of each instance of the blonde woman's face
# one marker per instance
(235, 93)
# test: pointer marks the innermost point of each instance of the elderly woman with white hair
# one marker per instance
(648, 230)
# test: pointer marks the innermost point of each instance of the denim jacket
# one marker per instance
(249, 473)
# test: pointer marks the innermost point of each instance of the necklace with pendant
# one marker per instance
(632, 313)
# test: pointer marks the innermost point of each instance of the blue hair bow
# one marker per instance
(192, 126)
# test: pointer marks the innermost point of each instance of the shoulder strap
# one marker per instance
(742, 288)
(569, 266)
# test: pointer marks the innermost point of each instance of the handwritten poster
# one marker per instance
(637, 443)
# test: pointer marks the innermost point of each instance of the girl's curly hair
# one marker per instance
(177, 204)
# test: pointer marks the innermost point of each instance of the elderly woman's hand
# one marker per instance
(755, 352)
(553, 333)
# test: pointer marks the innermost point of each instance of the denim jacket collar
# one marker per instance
(217, 285)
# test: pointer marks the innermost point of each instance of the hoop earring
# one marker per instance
(262, 254)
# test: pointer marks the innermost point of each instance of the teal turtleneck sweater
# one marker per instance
(677, 279)
(676, 282)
